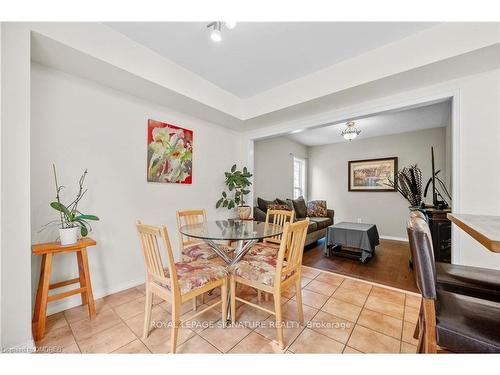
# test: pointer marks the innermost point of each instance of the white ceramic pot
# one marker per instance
(68, 236)
(244, 212)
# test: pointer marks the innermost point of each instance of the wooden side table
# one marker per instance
(47, 251)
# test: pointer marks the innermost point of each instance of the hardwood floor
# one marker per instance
(389, 266)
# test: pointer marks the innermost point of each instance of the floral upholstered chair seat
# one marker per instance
(202, 251)
(263, 248)
(195, 274)
(258, 268)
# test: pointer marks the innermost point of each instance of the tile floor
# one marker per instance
(342, 315)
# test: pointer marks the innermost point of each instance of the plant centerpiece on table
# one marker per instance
(238, 183)
(71, 219)
(408, 182)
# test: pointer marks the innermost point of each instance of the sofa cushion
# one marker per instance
(262, 204)
(321, 222)
(280, 207)
(313, 227)
(316, 209)
(288, 202)
(300, 207)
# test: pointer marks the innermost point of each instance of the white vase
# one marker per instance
(68, 236)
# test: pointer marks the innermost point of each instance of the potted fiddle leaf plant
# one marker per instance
(238, 184)
(72, 220)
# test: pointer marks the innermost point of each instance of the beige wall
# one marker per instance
(388, 210)
(273, 167)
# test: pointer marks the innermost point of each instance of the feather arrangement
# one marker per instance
(408, 183)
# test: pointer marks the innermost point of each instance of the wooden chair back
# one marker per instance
(291, 249)
(278, 217)
(150, 237)
(189, 217)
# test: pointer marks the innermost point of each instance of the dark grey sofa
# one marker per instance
(317, 226)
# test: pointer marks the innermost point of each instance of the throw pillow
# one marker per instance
(262, 204)
(288, 202)
(316, 209)
(300, 207)
(283, 207)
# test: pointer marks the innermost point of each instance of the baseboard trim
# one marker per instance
(74, 301)
(403, 239)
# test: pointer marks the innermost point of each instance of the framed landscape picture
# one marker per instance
(170, 153)
(372, 174)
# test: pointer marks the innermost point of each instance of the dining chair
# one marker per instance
(193, 248)
(178, 282)
(455, 322)
(270, 246)
(274, 275)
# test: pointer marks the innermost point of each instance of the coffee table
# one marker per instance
(352, 240)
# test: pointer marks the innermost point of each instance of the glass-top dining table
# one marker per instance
(244, 232)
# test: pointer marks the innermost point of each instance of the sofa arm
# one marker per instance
(258, 214)
(331, 215)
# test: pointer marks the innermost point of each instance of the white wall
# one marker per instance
(328, 175)
(78, 124)
(273, 167)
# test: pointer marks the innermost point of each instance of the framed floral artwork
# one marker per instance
(170, 153)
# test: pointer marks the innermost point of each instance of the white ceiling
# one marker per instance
(257, 56)
(393, 122)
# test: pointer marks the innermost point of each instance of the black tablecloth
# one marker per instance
(356, 235)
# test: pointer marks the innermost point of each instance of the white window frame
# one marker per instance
(302, 178)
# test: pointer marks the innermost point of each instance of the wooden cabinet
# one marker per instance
(440, 227)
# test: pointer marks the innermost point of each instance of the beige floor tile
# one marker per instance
(55, 321)
(381, 323)
(134, 347)
(196, 344)
(368, 341)
(379, 305)
(86, 328)
(359, 286)
(411, 314)
(256, 344)
(185, 307)
(330, 278)
(388, 295)
(291, 329)
(310, 341)
(332, 326)
(321, 287)
(290, 311)
(122, 297)
(312, 299)
(304, 281)
(224, 339)
(108, 340)
(142, 289)
(81, 312)
(129, 309)
(310, 273)
(413, 301)
(209, 318)
(408, 330)
(159, 318)
(352, 296)
(58, 340)
(408, 348)
(249, 316)
(349, 350)
(342, 309)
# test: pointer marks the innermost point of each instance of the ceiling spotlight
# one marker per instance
(216, 34)
(230, 25)
(350, 132)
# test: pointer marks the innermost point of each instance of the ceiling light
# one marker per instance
(216, 35)
(230, 25)
(350, 132)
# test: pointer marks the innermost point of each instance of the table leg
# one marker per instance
(44, 294)
(90, 296)
(38, 300)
